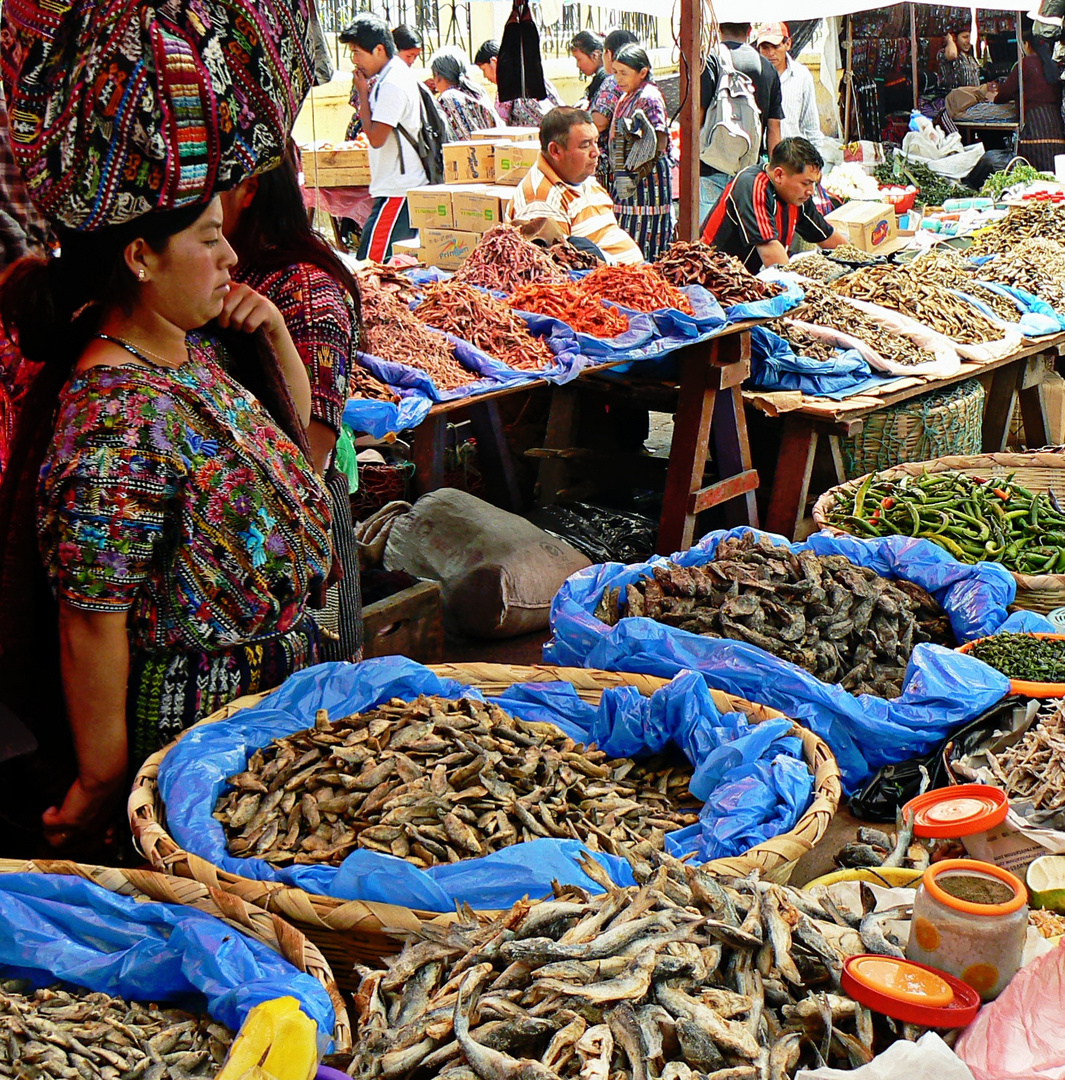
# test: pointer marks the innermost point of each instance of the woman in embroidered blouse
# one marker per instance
(605, 100)
(281, 257)
(466, 107)
(181, 527)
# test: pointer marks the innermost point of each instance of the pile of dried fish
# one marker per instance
(1034, 220)
(436, 781)
(503, 259)
(488, 323)
(686, 976)
(1032, 768)
(570, 257)
(905, 289)
(823, 308)
(841, 622)
(848, 253)
(724, 275)
(950, 272)
(802, 342)
(80, 1035)
(816, 267)
(1037, 266)
(379, 278)
(363, 384)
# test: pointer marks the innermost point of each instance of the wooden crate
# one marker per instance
(345, 167)
(409, 623)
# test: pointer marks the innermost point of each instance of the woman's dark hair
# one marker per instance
(486, 52)
(450, 63)
(635, 57)
(587, 42)
(406, 37)
(618, 38)
(274, 232)
(366, 31)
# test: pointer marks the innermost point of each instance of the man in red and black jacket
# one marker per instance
(763, 208)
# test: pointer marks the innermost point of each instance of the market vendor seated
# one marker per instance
(561, 187)
(763, 207)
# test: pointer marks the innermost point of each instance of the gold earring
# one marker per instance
(140, 275)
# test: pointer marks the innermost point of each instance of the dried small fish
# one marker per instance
(724, 275)
(80, 1035)
(437, 781)
(1033, 768)
(632, 1012)
(1036, 265)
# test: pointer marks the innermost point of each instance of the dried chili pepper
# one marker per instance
(641, 288)
(584, 313)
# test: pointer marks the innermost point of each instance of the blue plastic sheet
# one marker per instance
(1033, 321)
(776, 366)
(193, 775)
(382, 418)
(942, 688)
(60, 928)
(791, 297)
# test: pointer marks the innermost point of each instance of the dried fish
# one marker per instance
(802, 342)
(503, 259)
(80, 1035)
(724, 275)
(436, 781)
(636, 1011)
(1036, 266)
(952, 272)
(815, 267)
(841, 622)
(1033, 768)
(1033, 221)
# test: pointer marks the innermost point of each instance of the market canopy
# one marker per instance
(787, 10)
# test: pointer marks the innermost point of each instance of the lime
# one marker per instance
(1046, 882)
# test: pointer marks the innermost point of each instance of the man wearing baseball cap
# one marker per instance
(773, 41)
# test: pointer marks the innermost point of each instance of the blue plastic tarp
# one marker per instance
(382, 418)
(776, 366)
(193, 776)
(775, 306)
(942, 688)
(1037, 318)
(59, 928)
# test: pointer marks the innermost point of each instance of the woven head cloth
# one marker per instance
(119, 107)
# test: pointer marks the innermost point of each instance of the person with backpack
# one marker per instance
(742, 109)
(404, 136)
(797, 92)
(763, 207)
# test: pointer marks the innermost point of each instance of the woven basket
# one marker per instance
(264, 927)
(353, 931)
(942, 422)
(1036, 470)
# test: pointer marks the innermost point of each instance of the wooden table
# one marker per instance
(709, 403)
(1016, 378)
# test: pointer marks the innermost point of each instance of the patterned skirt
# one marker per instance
(648, 216)
(169, 691)
(1042, 137)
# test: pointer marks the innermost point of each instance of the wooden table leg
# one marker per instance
(493, 456)
(791, 483)
(732, 452)
(561, 428)
(998, 409)
(1032, 403)
(427, 453)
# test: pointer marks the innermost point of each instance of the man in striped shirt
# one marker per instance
(561, 187)
(763, 208)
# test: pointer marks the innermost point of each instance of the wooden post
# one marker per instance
(913, 56)
(691, 38)
(1020, 78)
(848, 77)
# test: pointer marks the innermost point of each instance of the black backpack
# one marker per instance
(432, 133)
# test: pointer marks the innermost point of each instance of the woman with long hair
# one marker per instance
(643, 199)
(180, 524)
(586, 48)
(466, 107)
(283, 258)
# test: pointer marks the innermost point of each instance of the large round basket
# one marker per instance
(1037, 470)
(261, 925)
(353, 932)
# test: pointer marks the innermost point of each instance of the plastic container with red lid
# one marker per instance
(911, 992)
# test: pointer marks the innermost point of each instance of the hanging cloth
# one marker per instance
(519, 68)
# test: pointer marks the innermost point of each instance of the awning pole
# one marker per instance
(1020, 75)
(849, 77)
(913, 56)
(691, 58)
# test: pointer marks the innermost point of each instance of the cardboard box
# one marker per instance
(412, 247)
(447, 248)
(508, 134)
(469, 162)
(513, 160)
(336, 167)
(870, 226)
(430, 207)
(477, 208)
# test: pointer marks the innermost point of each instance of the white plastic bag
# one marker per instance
(928, 1057)
(947, 157)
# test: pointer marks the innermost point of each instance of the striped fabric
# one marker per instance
(586, 209)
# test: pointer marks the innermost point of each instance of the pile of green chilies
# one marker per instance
(976, 520)
(1023, 656)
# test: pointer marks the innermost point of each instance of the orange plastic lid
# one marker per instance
(974, 868)
(955, 811)
(908, 991)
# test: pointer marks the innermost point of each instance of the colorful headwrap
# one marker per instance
(119, 107)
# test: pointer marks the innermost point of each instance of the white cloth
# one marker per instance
(395, 101)
(800, 104)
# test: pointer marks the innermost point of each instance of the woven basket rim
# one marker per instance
(288, 941)
(777, 855)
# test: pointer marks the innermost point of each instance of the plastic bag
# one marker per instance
(383, 418)
(193, 775)
(63, 928)
(942, 688)
(1021, 1034)
(927, 1057)
(601, 533)
(1038, 317)
(776, 366)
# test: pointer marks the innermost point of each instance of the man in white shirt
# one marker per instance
(391, 114)
(773, 41)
